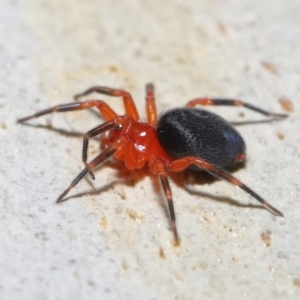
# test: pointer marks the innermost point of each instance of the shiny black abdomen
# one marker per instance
(195, 132)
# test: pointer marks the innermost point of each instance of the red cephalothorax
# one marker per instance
(141, 146)
(181, 138)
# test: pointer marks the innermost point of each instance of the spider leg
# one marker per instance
(150, 104)
(124, 121)
(158, 168)
(130, 108)
(92, 133)
(94, 163)
(183, 163)
(104, 109)
(232, 102)
(168, 193)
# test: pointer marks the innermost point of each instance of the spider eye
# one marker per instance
(118, 127)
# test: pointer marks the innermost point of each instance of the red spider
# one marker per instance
(181, 138)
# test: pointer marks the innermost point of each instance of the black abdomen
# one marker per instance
(194, 132)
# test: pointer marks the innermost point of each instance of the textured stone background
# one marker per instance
(112, 239)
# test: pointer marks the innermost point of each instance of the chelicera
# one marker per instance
(181, 138)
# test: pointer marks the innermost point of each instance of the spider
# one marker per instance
(181, 138)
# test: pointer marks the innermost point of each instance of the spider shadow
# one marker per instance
(242, 123)
(94, 191)
(60, 131)
(207, 178)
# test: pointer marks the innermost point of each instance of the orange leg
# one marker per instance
(104, 109)
(150, 104)
(168, 193)
(157, 167)
(230, 102)
(130, 108)
(118, 144)
(124, 122)
(183, 163)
